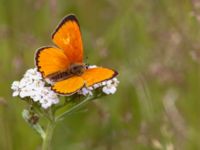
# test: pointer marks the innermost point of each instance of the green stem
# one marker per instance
(48, 136)
(76, 107)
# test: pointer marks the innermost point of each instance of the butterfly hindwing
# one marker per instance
(97, 75)
(67, 36)
(68, 86)
(50, 60)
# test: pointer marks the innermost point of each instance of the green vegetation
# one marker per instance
(154, 45)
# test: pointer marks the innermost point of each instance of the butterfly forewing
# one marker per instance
(67, 36)
(50, 60)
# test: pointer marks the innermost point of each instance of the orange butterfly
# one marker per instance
(64, 64)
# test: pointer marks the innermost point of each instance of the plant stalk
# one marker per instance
(48, 136)
(74, 108)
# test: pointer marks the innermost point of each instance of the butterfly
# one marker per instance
(63, 64)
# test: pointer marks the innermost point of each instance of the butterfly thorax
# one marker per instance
(76, 69)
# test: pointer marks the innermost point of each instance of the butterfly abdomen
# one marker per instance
(74, 70)
(59, 76)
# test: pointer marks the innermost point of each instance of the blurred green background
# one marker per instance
(154, 45)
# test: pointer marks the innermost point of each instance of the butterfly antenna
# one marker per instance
(86, 61)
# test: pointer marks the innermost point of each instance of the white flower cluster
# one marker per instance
(108, 87)
(32, 85)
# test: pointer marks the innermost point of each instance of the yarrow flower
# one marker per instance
(33, 86)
